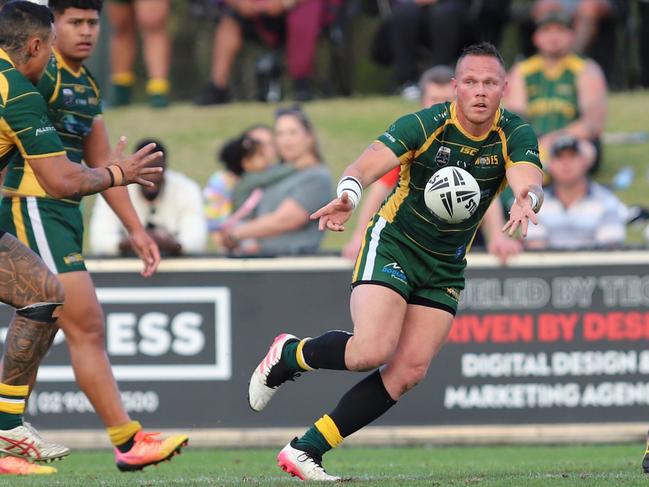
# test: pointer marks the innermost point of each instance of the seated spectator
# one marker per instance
(282, 225)
(172, 212)
(251, 152)
(558, 92)
(440, 21)
(587, 15)
(293, 23)
(577, 213)
(150, 18)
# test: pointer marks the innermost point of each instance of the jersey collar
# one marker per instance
(61, 62)
(5, 57)
(456, 122)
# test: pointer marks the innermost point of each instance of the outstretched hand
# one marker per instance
(334, 215)
(520, 214)
(134, 167)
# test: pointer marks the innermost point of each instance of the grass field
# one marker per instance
(345, 127)
(485, 466)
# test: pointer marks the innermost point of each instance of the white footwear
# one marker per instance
(302, 465)
(259, 392)
(25, 442)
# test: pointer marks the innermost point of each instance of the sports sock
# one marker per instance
(12, 405)
(361, 405)
(123, 79)
(157, 86)
(326, 351)
(122, 436)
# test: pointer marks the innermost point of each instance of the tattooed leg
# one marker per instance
(25, 280)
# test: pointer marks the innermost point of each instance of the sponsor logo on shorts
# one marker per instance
(454, 293)
(395, 271)
(73, 258)
(443, 156)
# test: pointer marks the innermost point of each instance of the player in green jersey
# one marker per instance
(25, 131)
(54, 228)
(409, 272)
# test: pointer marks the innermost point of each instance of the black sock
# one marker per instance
(127, 445)
(327, 351)
(362, 404)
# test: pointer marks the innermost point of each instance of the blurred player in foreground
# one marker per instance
(53, 228)
(410, 269)
(25, 47)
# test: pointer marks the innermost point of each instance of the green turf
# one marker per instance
(600, 465)
(345, 127)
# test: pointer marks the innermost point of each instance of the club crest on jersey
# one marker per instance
(443, 156)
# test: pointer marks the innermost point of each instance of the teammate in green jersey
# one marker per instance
(25, 130)
(409, 272)
(54, 228)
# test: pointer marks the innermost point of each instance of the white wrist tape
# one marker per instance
(535, 202)
(352, 187)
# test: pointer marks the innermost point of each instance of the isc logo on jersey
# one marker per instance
(452, 194)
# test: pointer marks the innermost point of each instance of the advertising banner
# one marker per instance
(533, 343)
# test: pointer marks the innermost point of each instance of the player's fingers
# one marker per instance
(513, 227)
(325, 210)
(120, 146)
(145, 159)
(534, 219)
(507, 225)
(524, 227)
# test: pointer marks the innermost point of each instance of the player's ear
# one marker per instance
(34, 45)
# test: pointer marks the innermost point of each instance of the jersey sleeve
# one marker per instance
(30, 128)
(404, 136)
(523, 147)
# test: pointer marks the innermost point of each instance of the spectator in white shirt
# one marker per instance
(577, 213)
(172, 213)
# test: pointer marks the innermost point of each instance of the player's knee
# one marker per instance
(412, 376)
(53, 291)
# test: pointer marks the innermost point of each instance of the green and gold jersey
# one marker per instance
(433, 138)
(552, 101)
(73, 103)
(25, 129)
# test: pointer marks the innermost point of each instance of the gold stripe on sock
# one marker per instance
(157, 86)
(18, 391)
(121, 434)
(12, 407)
(299, 356)
(329, 430)
(123, 79)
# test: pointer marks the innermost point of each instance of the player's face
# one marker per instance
(479, 86)
(434, 93)
(264, 136)
(77, 33)
(292, 139)
(553, 40)
(568, 168)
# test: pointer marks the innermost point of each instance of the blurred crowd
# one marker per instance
(271, 178)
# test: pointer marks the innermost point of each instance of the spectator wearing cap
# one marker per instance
(171, 212)
(577, 212)
(557, 91)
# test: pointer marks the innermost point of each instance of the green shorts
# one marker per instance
(387, 258)
(51, 228)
